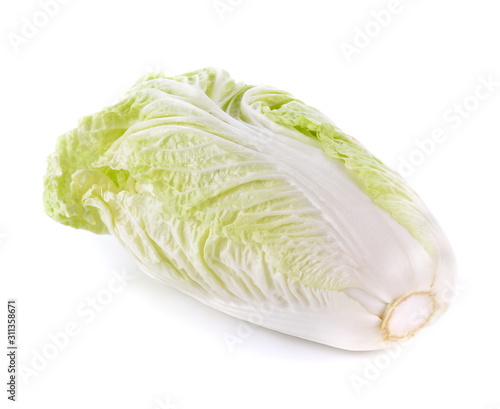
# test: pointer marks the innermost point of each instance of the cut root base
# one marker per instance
(407, 316)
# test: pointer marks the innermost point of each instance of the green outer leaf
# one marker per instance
(386, 188)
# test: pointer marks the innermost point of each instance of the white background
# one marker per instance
(152, 347)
